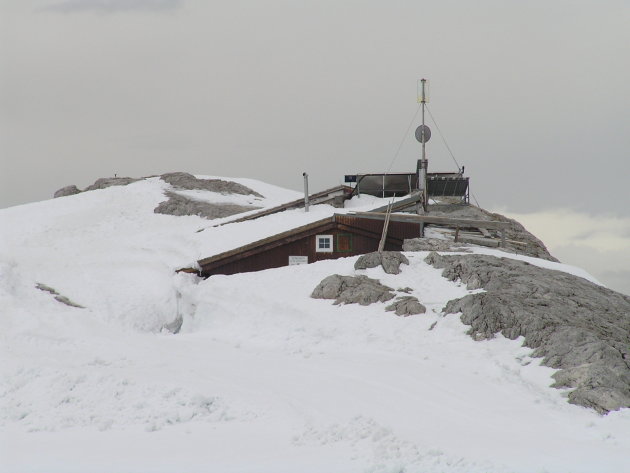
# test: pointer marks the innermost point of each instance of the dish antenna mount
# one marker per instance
(423, 133)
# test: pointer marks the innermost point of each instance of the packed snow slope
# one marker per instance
(261, 377)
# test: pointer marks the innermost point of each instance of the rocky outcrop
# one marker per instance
(68, 190)
(105, 182)
(183, 180)
(406, 305)
(518, 239)
(389, 260)
(179, 180)
(578, 327)
(352, 290)
(58, 297)
(179, 205)
(101, 183)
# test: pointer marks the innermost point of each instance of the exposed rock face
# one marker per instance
(179, 205)
(183, 180)
(101, 183)
(576, 326)
(68, 190)
(390, 260)
(432, 244)
(106, 182)
(407, 305)
(530, 245)
(352, 290)
(179, 180)
(58, 297)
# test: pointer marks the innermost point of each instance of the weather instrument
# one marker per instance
(423, 91)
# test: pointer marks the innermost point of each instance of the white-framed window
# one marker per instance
(324, 243)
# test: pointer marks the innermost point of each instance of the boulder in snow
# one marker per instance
(68, 190)
(407, 305)
(390, 260)
(352, 290)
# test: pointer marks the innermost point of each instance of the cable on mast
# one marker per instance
(443, 139)
(403, 140)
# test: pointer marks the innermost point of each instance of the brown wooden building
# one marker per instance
(330, 238)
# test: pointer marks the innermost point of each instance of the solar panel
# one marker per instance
(390, 185)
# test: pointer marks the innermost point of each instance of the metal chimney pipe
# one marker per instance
(305, 191)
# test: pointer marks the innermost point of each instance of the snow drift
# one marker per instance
(260, 377)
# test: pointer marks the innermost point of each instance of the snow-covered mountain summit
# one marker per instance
(260, 376)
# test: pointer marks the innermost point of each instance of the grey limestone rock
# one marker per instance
(101, 183)
(352, 290)
(527, 244)
(179, 205)
(45, 288)
(390, 260)
(58, 297)
(183, 180)
(406, 305)
(179, 180)
(576, 326)
(105, 182)
(68, 190)
(68, 302)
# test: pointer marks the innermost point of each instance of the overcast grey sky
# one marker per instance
(532, 96)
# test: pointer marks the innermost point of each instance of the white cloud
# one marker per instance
(110, 6)
(598, 243)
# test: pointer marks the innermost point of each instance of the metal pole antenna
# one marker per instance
(424, 163)
(424, 154)
(423, 134)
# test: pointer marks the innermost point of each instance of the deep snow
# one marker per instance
(261, 377)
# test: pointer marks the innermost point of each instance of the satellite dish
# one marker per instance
(427, 133)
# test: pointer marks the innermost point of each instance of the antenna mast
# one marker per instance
(423, 134)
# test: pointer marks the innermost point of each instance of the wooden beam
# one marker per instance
(314, 199)
(401, 204)
(368, 233)
(479, 241)
(445, 221)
